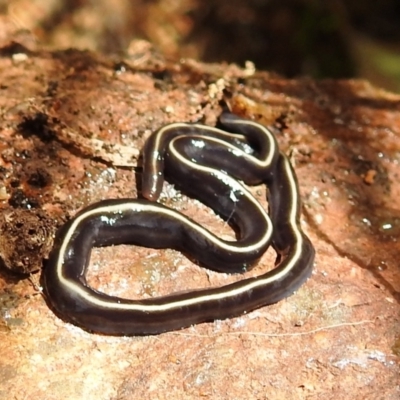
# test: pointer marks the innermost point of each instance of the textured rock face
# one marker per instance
(72, 127)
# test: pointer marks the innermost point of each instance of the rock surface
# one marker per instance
(72, 126)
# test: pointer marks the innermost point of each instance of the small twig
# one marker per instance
(116, 154)
(311, 332)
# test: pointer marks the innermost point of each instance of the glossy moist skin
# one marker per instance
(206, 163)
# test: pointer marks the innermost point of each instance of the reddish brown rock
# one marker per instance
(72, 126)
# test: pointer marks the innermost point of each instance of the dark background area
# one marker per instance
(317, 38)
